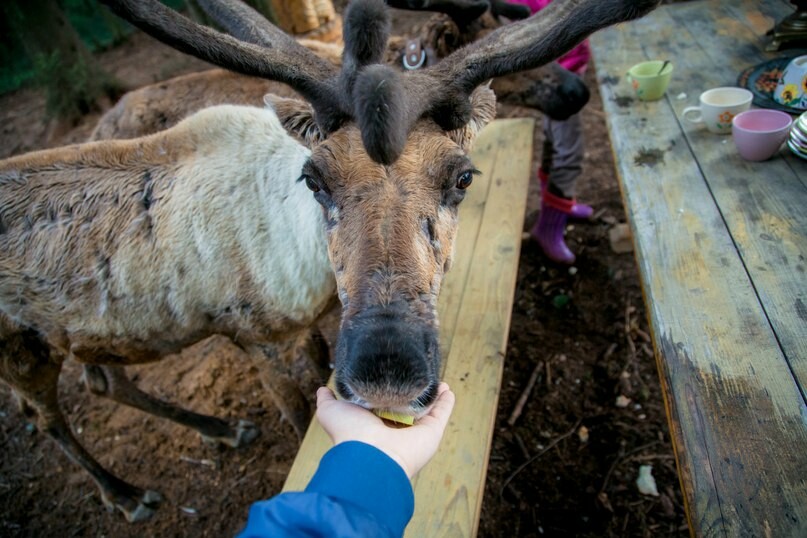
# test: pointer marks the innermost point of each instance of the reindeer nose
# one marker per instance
(576, 92)
(388, 359)
(571, 97)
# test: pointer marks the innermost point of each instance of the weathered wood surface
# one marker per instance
(721, 246)
(475, 307)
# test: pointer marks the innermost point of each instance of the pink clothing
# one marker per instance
(576, 60)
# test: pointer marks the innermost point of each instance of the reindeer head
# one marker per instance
(391, 232)
(388, 164)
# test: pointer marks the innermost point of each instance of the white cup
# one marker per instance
(718, 107)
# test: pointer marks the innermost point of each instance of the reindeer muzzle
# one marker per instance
(388, 358)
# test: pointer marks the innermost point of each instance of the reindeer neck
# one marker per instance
(278, 227)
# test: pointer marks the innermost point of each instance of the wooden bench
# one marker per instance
(721, 246)
(475, 307)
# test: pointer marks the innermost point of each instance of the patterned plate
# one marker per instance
(761, 80)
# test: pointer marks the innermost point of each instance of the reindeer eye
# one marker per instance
(310, 183)
(465, 180)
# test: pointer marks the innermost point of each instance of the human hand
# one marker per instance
(411, 447)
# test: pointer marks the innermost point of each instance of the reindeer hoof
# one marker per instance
(145, 508)
(243, 434)
(133, 508)
(246, 432)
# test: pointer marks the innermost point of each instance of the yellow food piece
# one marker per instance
(400, 418)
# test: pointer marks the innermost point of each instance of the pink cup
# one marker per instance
(759, 133)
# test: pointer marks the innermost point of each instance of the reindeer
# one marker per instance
(548, 88)
(118, 252)
(161, 105)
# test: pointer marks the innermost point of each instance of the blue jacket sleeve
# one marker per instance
(357, 491)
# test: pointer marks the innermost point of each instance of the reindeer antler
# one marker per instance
(241, 21)
(285, 60)
(514, 12)
(380, 115)
(442, 91)
(385, 104)
(461, 11)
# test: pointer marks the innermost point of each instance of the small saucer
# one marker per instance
(796, 151)
(797, 140)
(762, 79)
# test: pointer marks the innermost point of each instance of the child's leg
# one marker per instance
(561, 165)
(547, 155)
(567, 154)
(562, 161)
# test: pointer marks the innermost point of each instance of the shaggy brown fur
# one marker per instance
(120, 252)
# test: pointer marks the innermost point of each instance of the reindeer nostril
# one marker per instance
(343, 390)
(426, 398)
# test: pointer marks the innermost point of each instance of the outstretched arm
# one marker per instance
(361, 487)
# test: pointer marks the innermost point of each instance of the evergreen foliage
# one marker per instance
(98, 27)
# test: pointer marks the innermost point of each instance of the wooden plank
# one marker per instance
(762, 203)
(738, 419)
(472, 211)
(448, 492)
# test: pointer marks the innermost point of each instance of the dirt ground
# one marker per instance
(583, 331)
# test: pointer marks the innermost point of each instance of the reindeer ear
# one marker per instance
(297, 117)
(483, 111)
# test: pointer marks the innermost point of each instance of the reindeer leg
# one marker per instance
(28, 367)
(316, 350)
(24, 407)
(273, 363)
(113, 383)
(135, 503)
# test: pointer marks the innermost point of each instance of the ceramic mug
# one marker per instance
(718, 107)
(758, 134)
(791, 90)
(649, 80)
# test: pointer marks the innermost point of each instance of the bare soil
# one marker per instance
(543, 478)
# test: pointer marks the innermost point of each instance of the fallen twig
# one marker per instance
(599, 113)
(525, 394)
(546, 449)
(651, 457)
(643, 335)
(609, 351)
(206, 463)
(522, 446)
(628, 309)
(621, 457)
(245, 477)
(600, 212)
(632, 349)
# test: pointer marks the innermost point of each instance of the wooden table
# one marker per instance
(474, 310)
(721, 246)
